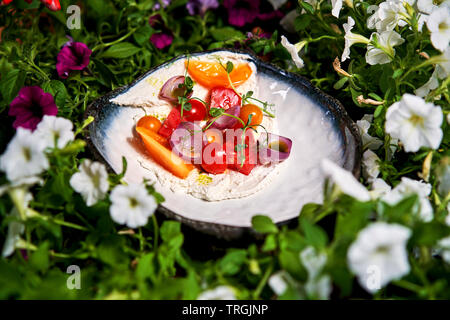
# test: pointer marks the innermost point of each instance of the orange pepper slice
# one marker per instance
(163, 155)
(155, 136)
(212, 74)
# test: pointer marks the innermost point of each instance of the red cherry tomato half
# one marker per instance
(214, 158)
(224, 98)
(149, 122)
(197, 112)
(170, 124)
(241, 161)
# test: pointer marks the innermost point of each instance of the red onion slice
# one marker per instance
(273, 148)
(187, 142)
(227, 122)
(171, 90)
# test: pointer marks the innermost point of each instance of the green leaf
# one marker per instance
(142, 35)
(11, 84)
(397, 73)
(263, 224)
(226, 33)
(270, 243)
(314, 235)
(107, 77)
(338, 85)
(229, 66)
(232, 262)
(40, 258)
(301, 22)
(58, 90)
(307, 7)
(121, 50)
(378, 111)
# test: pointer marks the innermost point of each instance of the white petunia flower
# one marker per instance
(351, 38)
(441, 71)
(426, 6)
(379, 188)
(368, 141)
(439, 25)
(218, 293)
(408, 187)
(320, 288)
(345, 180)
(415, 123)
(24, 157)
(16, 228)
(371, 168)
(379, 255)
(313, 261)
(277, 283)
(91, 182)
(288, 21)
(431, 84)
(276, 4)
(390, 14)
(131, 205)
(293, 51)
(55, 131)
(372, 20)
(317, 286)
(383, 51)
(444, 246)
(336, 7)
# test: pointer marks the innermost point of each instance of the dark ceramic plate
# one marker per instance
(317, 124)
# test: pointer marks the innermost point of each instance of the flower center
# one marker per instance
(133, 202)
(443, 26)
(26, 153)
(383, 249)
(416, 120)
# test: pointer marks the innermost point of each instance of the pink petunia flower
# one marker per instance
(30, 106)
(73, 56)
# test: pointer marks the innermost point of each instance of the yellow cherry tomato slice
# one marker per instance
(212, 74)
(149, 122)
(255, 111)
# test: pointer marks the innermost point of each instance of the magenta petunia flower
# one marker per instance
(242, 12)
(163, 38)
(73, 56)
(30, 106)
(201, 6)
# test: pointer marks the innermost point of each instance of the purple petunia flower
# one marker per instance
(30, 106)
(73, 56)
(242, 12)
(163, 38)
(201, 6)
(165, 4)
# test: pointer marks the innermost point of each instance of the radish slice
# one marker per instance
(172, 89)
(227, 122)
(273, 148)
(187, 142)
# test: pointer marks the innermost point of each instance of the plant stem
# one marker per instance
(263, 281)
